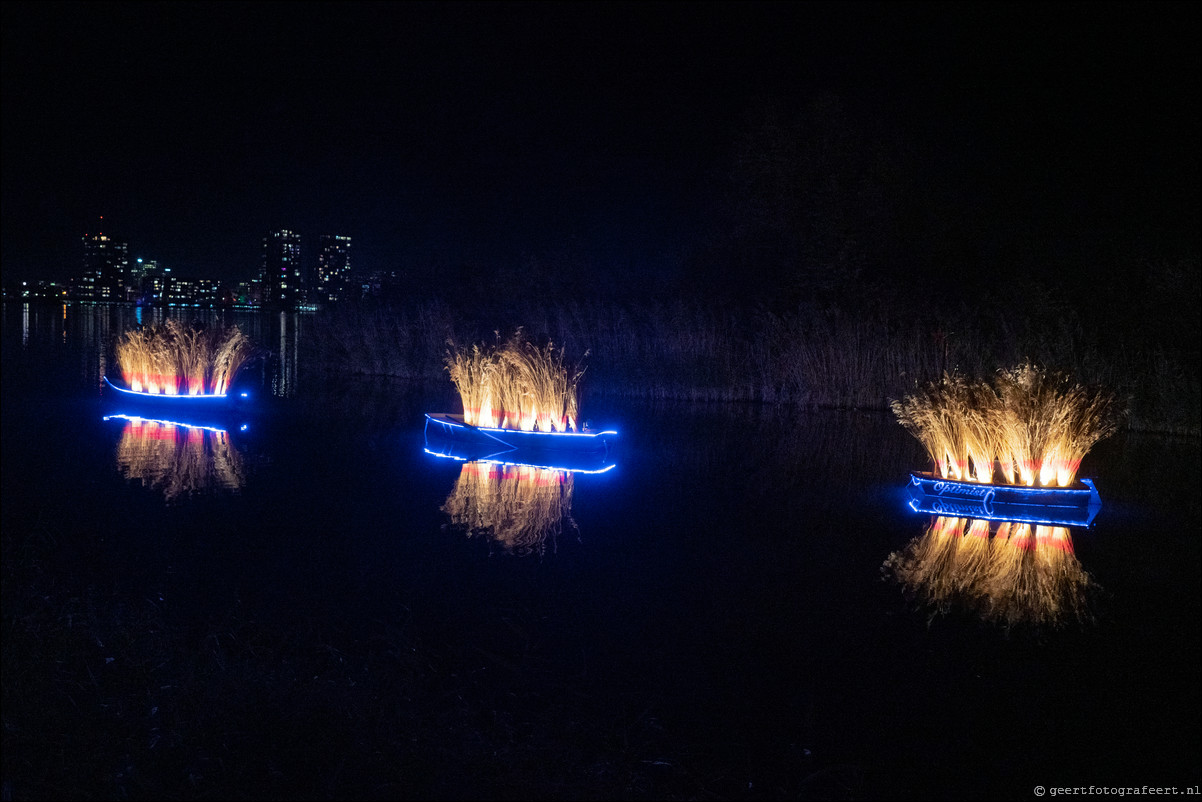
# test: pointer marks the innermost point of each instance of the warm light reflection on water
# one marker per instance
(1008, 573)
(519, 509)
(178, 459)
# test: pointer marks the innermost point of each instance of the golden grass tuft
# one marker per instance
(516, 384)
(1029, 425)
(172, 359)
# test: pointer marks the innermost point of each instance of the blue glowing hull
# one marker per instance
(178, 402)
(439, 444)
(1076, 505)
(452, 429)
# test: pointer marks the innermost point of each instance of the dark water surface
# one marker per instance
(314, 607)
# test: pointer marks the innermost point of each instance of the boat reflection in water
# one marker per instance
(1007, 572)
(179, 458)
(520, 502)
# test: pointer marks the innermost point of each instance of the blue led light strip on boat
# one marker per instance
(486, 430)
(1071, 506)
(180, 397)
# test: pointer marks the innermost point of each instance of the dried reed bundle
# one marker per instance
(515, 400)
(232, 351)
(516, 385)
(146, 359)
(932, 415)
(543, 389)
(978, 416)
(192, 358)
(471, 371)
(1034, 425)
(1026, 418)
(172, 359)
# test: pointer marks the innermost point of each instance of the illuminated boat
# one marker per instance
(453, 430)
(1075, 505)
(211, 410)
(439, 444)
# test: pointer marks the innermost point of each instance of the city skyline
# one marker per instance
(108, 272)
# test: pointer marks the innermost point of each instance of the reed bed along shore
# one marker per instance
(173, 359)
(683, 350)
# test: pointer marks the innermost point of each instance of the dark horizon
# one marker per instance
(618, 140)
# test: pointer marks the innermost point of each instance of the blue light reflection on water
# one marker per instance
(726, 578)
(172, 423)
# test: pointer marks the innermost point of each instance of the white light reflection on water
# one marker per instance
(41, 324)
(284, 379)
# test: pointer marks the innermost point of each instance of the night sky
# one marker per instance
(611, 136)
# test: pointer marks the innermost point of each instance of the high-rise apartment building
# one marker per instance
(105, 268)
(281, 270)
(333, 267)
